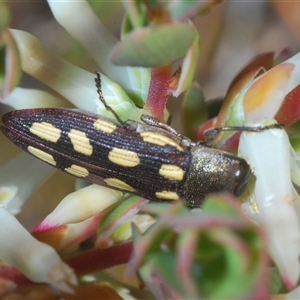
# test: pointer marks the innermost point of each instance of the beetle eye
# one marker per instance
(242, 177)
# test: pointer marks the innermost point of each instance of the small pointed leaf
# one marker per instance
(154, 46)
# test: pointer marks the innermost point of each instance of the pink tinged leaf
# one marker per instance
(171, 221)
(67, 237)
(263, 280)
(51, 237)
(274, 196)
(80, 205)
(263, 60)
(153, 281)
(158, 283)
(37, 261)
(159, 92)
(202, 222)
(228, 112)
(232, 242)
(265, 96)
(186, 245)
(141, 245)
(155, 46)
(238, 248)
(289, 112)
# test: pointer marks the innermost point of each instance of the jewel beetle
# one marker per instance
(149, 159)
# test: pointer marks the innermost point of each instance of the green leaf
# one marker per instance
(152, 47)
(136, 15)
(217, 205)
(10, 64)
(194, 111)
(4, 16)
(183, 10)
(189, 66)
(124, 211)
(163, 264)
(221, 259)
(275, 281)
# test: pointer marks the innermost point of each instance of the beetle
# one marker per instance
(149, 159)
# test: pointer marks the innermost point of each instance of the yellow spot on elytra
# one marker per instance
(105, 126)
(77, 171)
(167, 195)
(159, 139)
(80, 142)
(123, 157)
(45, 131)
(117, 183)
(171, 172)
(48, 158)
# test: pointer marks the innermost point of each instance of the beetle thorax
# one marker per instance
(213, 171)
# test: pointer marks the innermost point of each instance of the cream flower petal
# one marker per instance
(268, 152)
(80, 205)
(37, 261)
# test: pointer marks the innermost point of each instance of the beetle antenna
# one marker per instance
(211, 133)
(102, 99)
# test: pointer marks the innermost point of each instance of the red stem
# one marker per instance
(159, 92)
(98, 259)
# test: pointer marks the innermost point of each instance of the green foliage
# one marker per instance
(215, 253)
